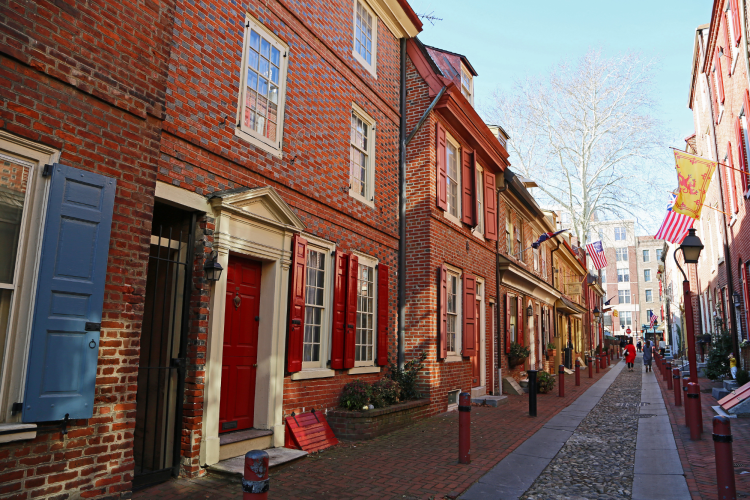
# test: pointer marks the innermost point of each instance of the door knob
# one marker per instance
(255, 365)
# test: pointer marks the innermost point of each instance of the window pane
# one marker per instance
(14, 179)
(365, 337)
(363, 34)
(314, 309)
(451, 157)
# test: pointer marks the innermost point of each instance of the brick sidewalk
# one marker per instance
(698, 456)
(417, 462)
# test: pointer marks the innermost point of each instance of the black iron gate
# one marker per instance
(161, 371)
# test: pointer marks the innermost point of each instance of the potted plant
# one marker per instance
(517, 354)
(544, 382)
(551, 350)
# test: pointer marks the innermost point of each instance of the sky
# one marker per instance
(506, 40)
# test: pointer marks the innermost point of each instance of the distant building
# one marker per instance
(648, 258)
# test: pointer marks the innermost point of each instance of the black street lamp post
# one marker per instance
(691, 250)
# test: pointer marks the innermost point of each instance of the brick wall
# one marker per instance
(64, 85)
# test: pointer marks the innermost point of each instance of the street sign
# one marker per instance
(627, 331)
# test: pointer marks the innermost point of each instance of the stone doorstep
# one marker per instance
(235, 437)
(493, 401)
(276, 458)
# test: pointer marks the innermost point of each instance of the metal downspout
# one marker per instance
(402, 213)
(498, 316)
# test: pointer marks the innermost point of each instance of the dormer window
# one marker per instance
(467, 85)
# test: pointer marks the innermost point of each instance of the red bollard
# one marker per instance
(693, 407)
(591, 367)
(684, 391)
(677, 388)
(598, 362)
(578, 373)
(669, 376)
(724, 460)
(618, 353)
(664, 368)
(255, 481)
(561, 382)
(464, 428)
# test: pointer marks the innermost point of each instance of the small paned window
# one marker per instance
(365, 35)
(649, 296)
(647, 275)
(453, 323)
(451, 156)
(623, 296)
(513, 319)
(479, 175)
(519, 239)
(658, 255)
(262, 94)
(620, 234)
(314, 306)
(365, 341)
(509, 235)
(626, 319)
(467, 85)
(623, 275)
(621, 254)
(361, 154)
(646, 256)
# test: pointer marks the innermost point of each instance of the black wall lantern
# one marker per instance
(596, 312)
(691, 247)
(213, 269)
(529, 311)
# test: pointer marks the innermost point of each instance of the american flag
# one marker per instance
(654, 319)
(675, 226)
(596, 251)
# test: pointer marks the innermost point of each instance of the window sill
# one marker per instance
(359, 197)
(733, 220)
(359, 370)
(247, 137)
(311, 373)
(479, 234)
(453, 219)
(369, 67)
(17, 432)
(453, 358)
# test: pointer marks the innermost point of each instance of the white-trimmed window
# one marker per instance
(318, 285)
(658, 254)
(22, 206)
(509, 235)
(604, 275)
(513, 319)
(519, 238)
(479, 174)
(732, 45)
(365, 338)
(453, 310)
(621, 254)
(746, 144)
(467, 85)
(649, 295)
(453, 177)
(535, 251)
(260, 116)
(623, 275)
(365, 36)
(623, 296)
(646, 256)
(620, 234)
(626, 319)
(647, 275)
(720, 111)
(362, 156)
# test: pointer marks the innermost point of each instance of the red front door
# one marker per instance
(475, 370)
(240, 345)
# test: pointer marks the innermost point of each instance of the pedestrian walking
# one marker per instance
(733, 366)
(648, 355)
(630, 354)
(622, 345)
(638, 346)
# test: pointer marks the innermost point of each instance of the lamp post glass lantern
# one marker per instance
(212, 268)
(691, 251)
(691, 247)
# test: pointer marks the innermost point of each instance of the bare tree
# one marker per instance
(587, 135)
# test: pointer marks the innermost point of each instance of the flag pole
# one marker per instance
(718, 163)
(720, 211)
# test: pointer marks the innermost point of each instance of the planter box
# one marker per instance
(363, 425)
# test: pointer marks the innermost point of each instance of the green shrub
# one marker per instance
(384, 392)
(743, 377)
(407, 378)
(544, 382)
(518, 352)
(551, 346)
(717, 364)
(355, 395)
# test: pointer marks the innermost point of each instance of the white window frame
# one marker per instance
(18, 335)
(745, 138)
(371, 67)
(366, 260)
(470, 88)
(535, 252)
(479, 186)
(319, 369)
(718, 100)
(369, 197)
(623, 272)
(658, 254)
(264, 143)
(456, 219)
(645, 295)
(649, 275)
(623, 233)
(509, 236)
(626, 319)
(519, 238)
(621, 251)
(646, 255)
(455, 355)
(733, 46)
(629, 296)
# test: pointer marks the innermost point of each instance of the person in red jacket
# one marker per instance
(630, 354)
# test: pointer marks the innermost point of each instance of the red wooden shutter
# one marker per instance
(382, 314)
(736, 21)
(350, 334)
(741, 150)
(469, 339)
(714, 86)
(519, 321)
(490, 207)
(507, 323)
(731, 177)
(297, 305)
(468, 187)
(442, 312)
(339, 310)
(744, 297)
(442, 174)
(727, 48)
(720, 77)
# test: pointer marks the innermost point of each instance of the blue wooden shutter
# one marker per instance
(64, 349)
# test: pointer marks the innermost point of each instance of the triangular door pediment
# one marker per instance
(263, 203)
